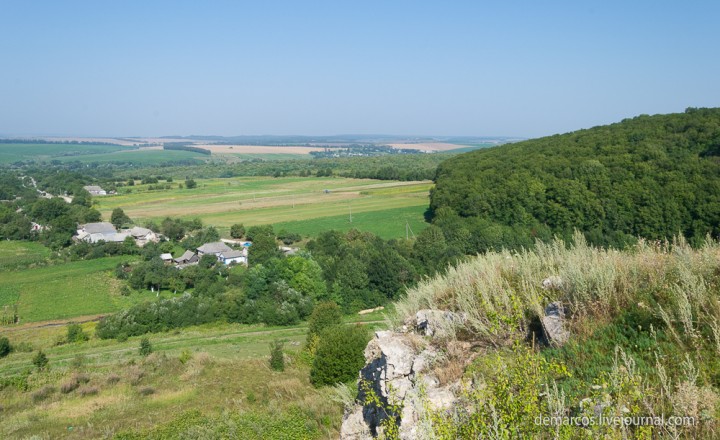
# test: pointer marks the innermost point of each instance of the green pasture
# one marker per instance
(140, 157)
(89, 153)
(300, 203)
(45, 152)
(387, 223)
(66, 290)
(21, 253)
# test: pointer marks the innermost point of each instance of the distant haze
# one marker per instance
(522, 69)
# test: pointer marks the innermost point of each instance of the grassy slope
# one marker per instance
(264, 200)
(632, 315)
(227, 377)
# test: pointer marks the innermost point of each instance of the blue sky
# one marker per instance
(500, 68)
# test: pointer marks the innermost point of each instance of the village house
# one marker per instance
(143, 236)
(167, 258)
(239, 257)
(224, 253)
(105, 231)
(215, 248)
(101, 231)
(95, 190)
(189, 257)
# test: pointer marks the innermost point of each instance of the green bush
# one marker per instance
(277, 360)
(325, 314)
(339, 355)
(40, 360)
(75, 333)
(237, 230)
(145, 347)
(5, 347)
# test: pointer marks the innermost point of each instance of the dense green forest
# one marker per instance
(649, 176)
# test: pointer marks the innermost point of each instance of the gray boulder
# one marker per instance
(437, 323)
(554, 324)
(396, 374)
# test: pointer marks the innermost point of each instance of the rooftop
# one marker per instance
(216, 247)
(99, 228)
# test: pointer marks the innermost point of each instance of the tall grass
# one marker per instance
(655, 305)
(500, 293)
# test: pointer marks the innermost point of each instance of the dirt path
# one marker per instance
(51, 323)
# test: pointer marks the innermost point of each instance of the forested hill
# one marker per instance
(649, 176)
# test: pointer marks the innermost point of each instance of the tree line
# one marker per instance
(649, 176)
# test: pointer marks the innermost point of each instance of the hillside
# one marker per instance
(499, 344)
(649, 176)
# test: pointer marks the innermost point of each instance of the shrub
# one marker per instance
(277, 361)
(69, 386)
(5, 347)
(324, 315)
(339, 355)
(237, 230)
(40, 360)
(113, 379)
(75, 333)
(146, 391)
(185, 356)
(135, 375)
(43, 393)
(81, 378)
(145, 347)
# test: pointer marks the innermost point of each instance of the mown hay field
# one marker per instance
(65, 290)
(306, 205)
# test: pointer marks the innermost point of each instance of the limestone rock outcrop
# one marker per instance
(399, 373)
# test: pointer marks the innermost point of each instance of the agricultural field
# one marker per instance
(67, 290)
(387, 223)
(21, 253)
(10, 153)
(297, 204)
(101, 153)
(89, 153)
(217, 373)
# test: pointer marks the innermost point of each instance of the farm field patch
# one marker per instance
(265, 200)
(21, 253)
(66, 290)
(45, 152)
(386, 223)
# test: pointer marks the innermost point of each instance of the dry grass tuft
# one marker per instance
(43, 393)
(86, 391)
(134, 374)
(69, 386)
(146, 391)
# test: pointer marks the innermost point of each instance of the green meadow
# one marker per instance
(307, 205)
(21, 253)
(204, 381)
(89, 153)
(387, 223)
(45, 152)
(66, 290)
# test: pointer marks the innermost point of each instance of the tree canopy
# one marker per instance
(649, 176)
